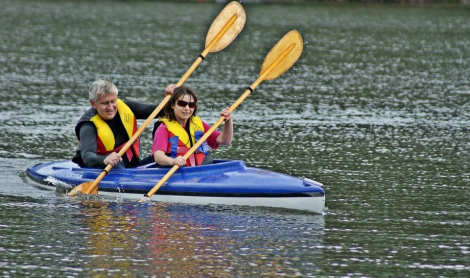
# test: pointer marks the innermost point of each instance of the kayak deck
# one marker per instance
(227, 182)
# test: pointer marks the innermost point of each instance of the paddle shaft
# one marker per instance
(163, 103)
(221, 119)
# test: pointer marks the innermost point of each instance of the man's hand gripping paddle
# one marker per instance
(225, 28)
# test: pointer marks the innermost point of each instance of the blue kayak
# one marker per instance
(226, 182)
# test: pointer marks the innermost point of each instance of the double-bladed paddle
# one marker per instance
(224, 29)
(281, 57)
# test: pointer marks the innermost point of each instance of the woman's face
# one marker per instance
(182, 108)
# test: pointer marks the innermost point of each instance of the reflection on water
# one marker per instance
(376, 108)
(182, 240)
(128, 239)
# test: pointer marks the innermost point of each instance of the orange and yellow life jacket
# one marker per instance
(179, 141)
(105, 136)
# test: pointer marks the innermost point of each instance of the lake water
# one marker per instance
(377, 109)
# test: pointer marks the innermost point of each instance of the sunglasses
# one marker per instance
(182, 103)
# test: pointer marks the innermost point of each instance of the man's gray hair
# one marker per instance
(102, 86)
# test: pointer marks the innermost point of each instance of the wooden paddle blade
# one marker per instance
(225, 16)
(290, 46)
(84, 187)
(75, 190)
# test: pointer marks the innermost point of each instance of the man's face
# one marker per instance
(106, 106)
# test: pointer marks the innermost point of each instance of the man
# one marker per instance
(107, 126)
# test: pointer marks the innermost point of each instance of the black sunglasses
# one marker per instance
(182, 103)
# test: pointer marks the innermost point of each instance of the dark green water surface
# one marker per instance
(377, 109)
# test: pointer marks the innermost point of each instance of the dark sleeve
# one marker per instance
(89, 145)
(142, 111)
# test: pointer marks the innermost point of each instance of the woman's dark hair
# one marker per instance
(177, 94)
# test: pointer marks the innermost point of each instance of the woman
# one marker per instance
(180, 129)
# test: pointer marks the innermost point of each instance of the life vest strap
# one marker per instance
(129, 153)
(184, 150)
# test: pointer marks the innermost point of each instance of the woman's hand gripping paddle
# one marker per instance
(281, 57)
(222, 32)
